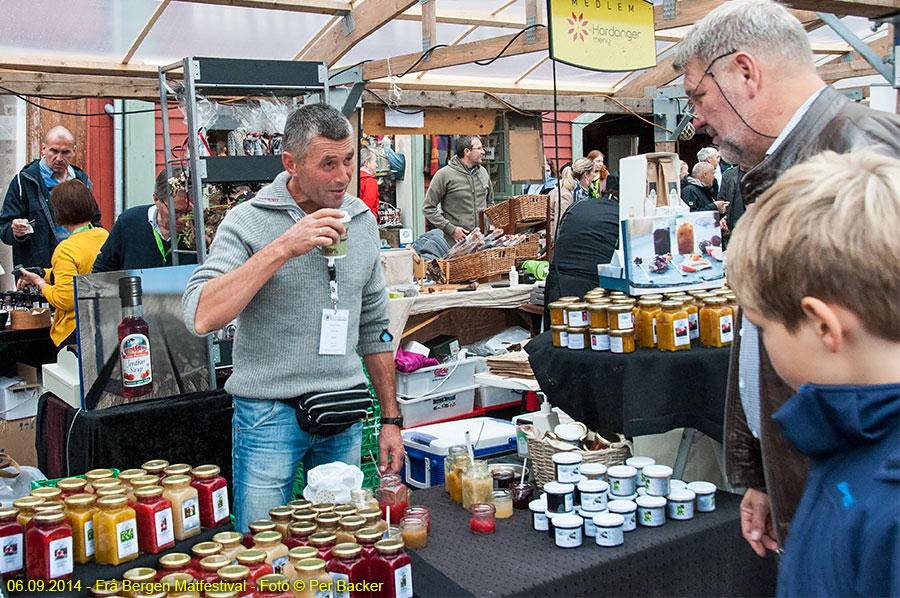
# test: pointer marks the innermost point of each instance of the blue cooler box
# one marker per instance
(426, 446)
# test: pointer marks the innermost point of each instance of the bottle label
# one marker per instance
(220, 504)
(564, 339)
(126, 538)
(279, 563)
(403, 582)
(568, 537)
(682, 334)
(694, 324)
(726, 329)
(11, 557)
(576, 341)
(163, 525)
(190, 514)
(578, 319)
(626, 320)
(60, 553)
(567, 473)
(341, 581)
(134, 355)
(616, 344)
(600, 342)
(88, 538)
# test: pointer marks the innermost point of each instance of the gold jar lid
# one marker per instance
(569, 299)
(556, 305)
(652, 296)
(131, 474)
(261, 525)
(159, 594)
(577, 306)
(155, 466)
(251, 556)
(206, 471)
(715, 301)
(140, 575)
(80, 500)
(177, 469)
(49, 507)
(557, 328)
(346, 550)
(304, 515)
(173, 580)
(597, 307)
(71, 484)
(369, 535)
(345, 510)
(27, 503)
(8, 513)
(683, 298)
(281, 514)
(369, 513)
(111, 491)
(302, 528)
(214, 562)
(174, 559)
(722, 291)
(266, 537)
(227, 539)
(310, 565)
(49, 517)
(625, 301)
(322, 507)
(299, 504)
(112, 501)
(389, 545)
(222, 594)
(597, 300)
(48, 493)
(98, 474)
(300, 553)
(106, 483)
(622, 333)
(175, 481)
(272, 580)
(599, 330)
(352, 522)
(144, 481)
(322, 538)
(571, 330)
(669, 304)
(649, 302)
(619, 309)
(234, 573)
(148, 492)
(327, 519)
(203, 549)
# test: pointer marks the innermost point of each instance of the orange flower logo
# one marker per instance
(579, 27)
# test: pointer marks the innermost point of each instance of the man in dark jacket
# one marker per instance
(749, 71)
(26, 219)
(698, 192)
(730, 193)
(140, 236)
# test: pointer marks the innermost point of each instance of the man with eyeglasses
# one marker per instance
(140, 236)
(26, 219)
(749, 72)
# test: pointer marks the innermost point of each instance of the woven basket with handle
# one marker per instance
(541, 452)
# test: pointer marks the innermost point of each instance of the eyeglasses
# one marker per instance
(706, 72)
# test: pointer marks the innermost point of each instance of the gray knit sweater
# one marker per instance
(276, 346)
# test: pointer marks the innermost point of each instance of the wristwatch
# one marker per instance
(394, 421)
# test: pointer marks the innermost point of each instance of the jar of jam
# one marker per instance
(599, 339)
(48, 493)
(577, 315)
(177, 469)
(49, 553)
(301, 504)
(299, 533)
(322, 507)
(276, 552)
(231, 544)
(154, 520)
(45, 507)
(620, 317)
(522, 494)
(348, 567)
(127, 478)
(672, 327)
(414, 531)
(364, 498)
(598, 315)
(80, 514)
(273, 586)
(560, 336)
(25, 506)
(716, 319)
(504, 476)
(239, 575)
(481, 518)
(645, 322)
(115, 531)
(307, 516)
(97, 474)
(156, 467)
(145, 481)
(12, 539)
(450, 462)
(345, 510)
(374, 519)
(621, 341)
(295, 555)
(255, 561)
(477, 483)
(349, 526)
(111, 490)
(185, 514)
(70, 486)
(171, 583)
(392, 567)
(579, 338)
(260, 525)
(323, 542)
(394, 494)
(212, 495)
(314, 578)
(557, 313)
(136, 578)
(366, 538)
(420, 511)
(209, 567)
(174, 562)
(201, 550)
(327, 522)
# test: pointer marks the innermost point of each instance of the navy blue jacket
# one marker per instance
(24, 197)
(131, 245)
(845, 536)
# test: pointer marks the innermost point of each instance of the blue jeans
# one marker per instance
(267, 448)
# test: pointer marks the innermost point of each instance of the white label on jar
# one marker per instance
(616, 344)
(164, 530)
(622, 486)
(567, 473)
(626, 320)
(88, 538)
(654, 330)
(403, 582)
(600, 342)
(565, 318)
(652, 517)
(134, 356)
(279, 563)
(682, 333)
(220, 504)
(590, 530)
(657, 486)
(578, 319)
(726, 329)
(126, 538)
(11, 557)
(576, 341)
(694, 323)
(680, 510)
(706, 502)
(563, 339)
(60, 557)
(593, 501)
(190, 514)
(341, 589)
(568, 537)
(327, 593)
(539, 522)
(610, 536)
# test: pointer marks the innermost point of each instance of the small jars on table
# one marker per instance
(12, 538)
(49, 543)
(620, 317)
(621, 341)
(70, 486)
(481, 518)
(255, 561)
(557, 313)
(672, 327)
(348, 527)
(414, 531)
(502, 501)
(276, 552)
(598, 315)
(578, 338)
(391, 566)
(450, 462)
(185, 511)
(212, 494)
(154, 520)
(477, 483)
(80, 513)
(115, 531)
(394, 494)
(645, 323)
(231, 544)
(348, 566)
(560, 336)
(717, 321)
(577, 315)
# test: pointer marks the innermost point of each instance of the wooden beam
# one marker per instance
(844, 70)
(871, 9)
(368, 16)
(687, 12)
(77, 67)
(429, 27)
(531, 69)
(80, 86)
(662, 74)
(527, 102)
(455, 55)
(147, 27)
(441, 121)
(458, 17)
(314, 39)
(322, 7)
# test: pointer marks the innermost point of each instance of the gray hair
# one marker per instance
(706, 153)
(366, 154)
(59, 132)
(701, 168)
(162, 186)
(761, 27)
(313, 120)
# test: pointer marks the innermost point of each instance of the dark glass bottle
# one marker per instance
(134, 341)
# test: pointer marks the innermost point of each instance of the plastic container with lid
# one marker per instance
(599, 339)
(538, 508)
(231, 544)
(680, 504)
(560, 497)
(392, 567)
(115, 531)
(639, 463)
(260, 525)
(598, 314)
(477, 483)
(569, 434)
(620, 317)
(174, 562)
(672, 327)
(588, 517)
(610, 528)
(626, 509)
(276, 552)
(578, 338)
(481, 518)
(12, 538)
(593, 471)
(80, 513)
(645, 322)
(201, 550)
(594, 494)
(622, 480)
(651, 510)
(560, 336)
(348, 568)
(706, 496)
(323, 542)
(566, 465)
(212, 494)
(621, 341)
(568, 531)
(185, 512)
(70, 486)
(156, 467)
(255, 561)
(557, 313)
(154, 520)
(49, 548)
(657, 477)
(577, 315)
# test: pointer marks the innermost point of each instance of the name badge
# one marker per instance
(333, 339)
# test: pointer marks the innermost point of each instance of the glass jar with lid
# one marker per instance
(80, 514)
(672, 327)
(273, 586)
(323, 542)
(174, 562)
(560, 336)
(97, 474)
(299, 533)
(328, 522)
(70, 486)
(557, 313)
(145, 481)
(282, 516)
(420, 511)
(477, 483)
(201, 550)
(718, 321)
(12, 538)
(375, 520)
(177, 469)
(569, 299)
(156, 467)
(254, 560)
(348, 528)
(304, 516)
(393, 493)
(364, 498)
(577, 315)
(209, 567)
(348, 565)
(185, 511)
(25, 506)
(49, 548)
(136, 577)
(345, 510)
(46, 507)
(231, 544)
(481, 518)
(414, 531)
(322, 507)
(391, 566)
(620, 317)
(239, 575)
(295, 555)
(621, 341)
(276, 551)
(111, 490)
(598, 314)
(172, 581)
(450, 462)
(212, 495)
(693, 312)
(48, 493)
(260, 525)
(127, 478)
(645, 322)
(310, 574)
(578, 338)
(503, 504)
(366, 538)
(301, 504)
(115, 531)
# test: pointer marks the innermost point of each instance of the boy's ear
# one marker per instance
(826, 322)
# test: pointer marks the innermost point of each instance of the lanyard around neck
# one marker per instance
(81, 229)
(160, 244)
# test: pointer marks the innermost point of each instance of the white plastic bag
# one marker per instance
(332, 482)
(15, 481)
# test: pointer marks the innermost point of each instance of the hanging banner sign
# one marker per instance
(602, 35)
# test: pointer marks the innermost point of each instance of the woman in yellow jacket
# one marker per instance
(73, 208)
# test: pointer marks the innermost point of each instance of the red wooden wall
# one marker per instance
(99, 159)
(561, 140)
(177, 135)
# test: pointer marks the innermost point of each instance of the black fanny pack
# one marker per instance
(327, 413)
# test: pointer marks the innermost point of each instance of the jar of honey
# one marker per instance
(70, 486)
(717, 321)
(311, 575)
(672, 327)
(598, 315)
(645, 322)
(578, 338)
(599, 339)
(557, 313)
(621, 341)
(231, 544)
(620, 317)
(115, 531)
(560, 336)
(348, 528)
(477, 483)
(276, 552)
(577, 315)
(80, 513)
(282, 516)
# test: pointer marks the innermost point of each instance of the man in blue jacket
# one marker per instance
(26, 219)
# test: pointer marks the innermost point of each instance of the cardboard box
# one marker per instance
(647, 182)
(63, 379)
(17, 440)
(19, 396)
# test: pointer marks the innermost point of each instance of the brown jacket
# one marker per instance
(771, 464)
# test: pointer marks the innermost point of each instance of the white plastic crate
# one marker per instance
(444, 377)
(491, 396)
(435, 407)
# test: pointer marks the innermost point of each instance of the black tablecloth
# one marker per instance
(645, 392)
(32, 346)
(705, 556)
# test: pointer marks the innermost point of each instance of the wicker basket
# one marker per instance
(528, 250)
(473, 266)
(498, 214)
(525, 208)
(540, 452)
(27, 319)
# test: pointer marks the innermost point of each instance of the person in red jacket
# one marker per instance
(368, 184)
